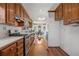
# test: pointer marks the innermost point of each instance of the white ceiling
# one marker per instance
(36, 10)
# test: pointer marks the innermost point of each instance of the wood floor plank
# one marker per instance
(56, 51)
(62, 52)
(38, 49)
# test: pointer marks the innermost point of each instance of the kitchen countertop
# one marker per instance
(9, 40)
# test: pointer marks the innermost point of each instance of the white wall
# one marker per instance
(53, 31)
(69, 39)
(65, 36)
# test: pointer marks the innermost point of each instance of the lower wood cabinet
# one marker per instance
(9, 51)
(15, 49)
(20, 47)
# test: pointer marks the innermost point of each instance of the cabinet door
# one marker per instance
(67, 12)
(18, 9)
(24, 14)
(2, 13)
(60, 12)
(17, 12)
(56, 14)
(20, 48)
(75, 12)
(9, 51)
(22, 11)
(11, 13)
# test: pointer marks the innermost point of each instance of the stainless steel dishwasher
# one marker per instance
(26, 44)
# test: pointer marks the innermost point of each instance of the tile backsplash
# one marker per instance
(4, 30)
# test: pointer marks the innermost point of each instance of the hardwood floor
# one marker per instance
(42, 49)
(38, 49)
(56, 51)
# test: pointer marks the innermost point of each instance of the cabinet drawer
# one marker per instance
(9, 51)
(20, 52)
(20, 41)
(13, 46)
(20, 46)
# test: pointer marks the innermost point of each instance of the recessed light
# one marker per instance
(40, 10)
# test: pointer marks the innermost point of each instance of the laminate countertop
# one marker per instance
(9, 40)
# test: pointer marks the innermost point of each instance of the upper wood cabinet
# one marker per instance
(69, 12)
(18, 9)
(11, 13)
(58, 12)
(22, 11)
(8, 12)
(75, 12)
(2, 13)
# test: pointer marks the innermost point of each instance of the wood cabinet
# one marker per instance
(69, 12)
(20, 49)
(2, 13)
(14, 49)
(11, 13)
(9, 51)
(19, 13)
(75, 12)
(8, 11)
(22, 11)
(18, 9)
(59, 12)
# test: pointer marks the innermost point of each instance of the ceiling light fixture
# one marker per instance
(41, 18)
(40, 10)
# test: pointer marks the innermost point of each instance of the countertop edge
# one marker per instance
(10, 43)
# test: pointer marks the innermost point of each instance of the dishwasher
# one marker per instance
(26, 44)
